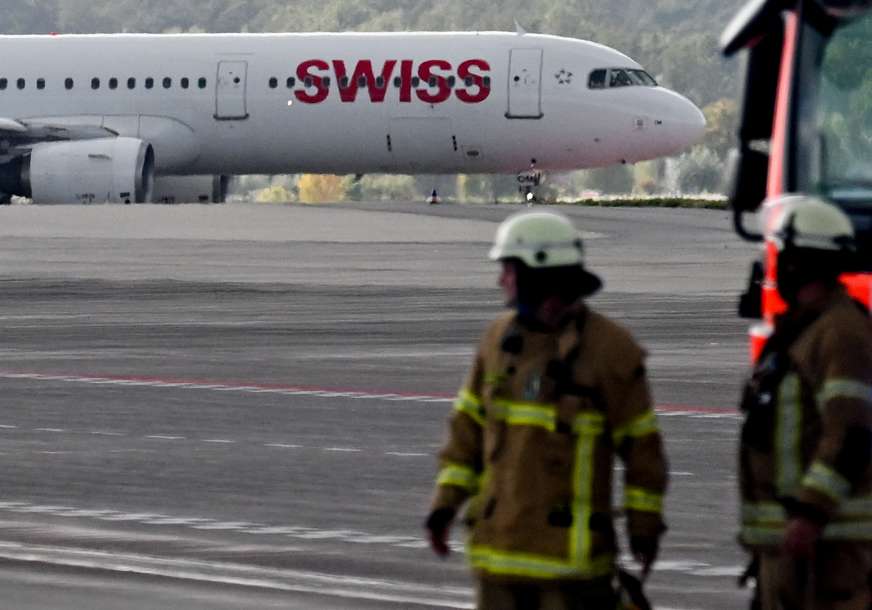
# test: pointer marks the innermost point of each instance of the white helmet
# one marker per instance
(539, 240)
(813, 224)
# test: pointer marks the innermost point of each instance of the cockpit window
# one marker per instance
(597, 79)
(619, 78)
(606, 78)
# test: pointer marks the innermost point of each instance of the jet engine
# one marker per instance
(104, 170)
(191, 189)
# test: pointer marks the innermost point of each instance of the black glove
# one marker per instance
(645, 549)
(437, 525)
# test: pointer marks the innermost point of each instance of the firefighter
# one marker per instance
(555, 392)
(805, 449)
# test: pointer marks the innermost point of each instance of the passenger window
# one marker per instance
(379, 82)
(3, 83)
(113, 83)
(468, 81)
(149, 83)
(185, 82)
(131, 83)
(398, 82)
(21, 83)
(432, 81)
(167, 82)
(202, 82)
(291, 82)
(597, 80)
(95, 83)
(361, 82)
(416, 81)
(273, 82)
(619, 78)
(325, 81)
(487, 82)
(308, 81)
(40, 83)
(68, 84)
(452, 81)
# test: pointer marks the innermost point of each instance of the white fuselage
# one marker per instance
(497, 101)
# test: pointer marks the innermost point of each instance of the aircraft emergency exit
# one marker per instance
(138, 118)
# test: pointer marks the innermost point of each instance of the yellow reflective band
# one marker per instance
(848, 530)
(763, 514)
(643, 425)
(535, 566)
(856, 508)
(844, 388)
(468, 403)
(787, 436)
(761, 535)
(526, 414)
(827, 481)
(636, 498)
(459, 476)
(589, 423)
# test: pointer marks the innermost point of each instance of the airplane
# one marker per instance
(133, 118)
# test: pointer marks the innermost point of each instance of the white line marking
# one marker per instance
(103, 433)
(282, 446)
(342, 449)
(406, 454)
(8, 427)
(218, 440)
(49, 430)
(165, 437)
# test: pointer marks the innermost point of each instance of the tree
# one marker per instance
(321, 188)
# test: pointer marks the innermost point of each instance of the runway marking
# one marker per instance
(7, 427)
(283, 446)
(313, 534)
(406, 454)
(104, 433)
(257, 388)
(166, 437)
(342, 449)
(220, 441)
(49, 430)
(342, 586)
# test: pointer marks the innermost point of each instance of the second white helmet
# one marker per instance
(810, 223)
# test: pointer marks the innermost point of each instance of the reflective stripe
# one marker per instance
(588, 427)
(827, 481)
(848, 530)
(468, 403)
(526, 414)
(769, 513)
(636, 498)
(643, 425)
(534, 566)
(787, 436)
(844, 388)
(761, 535)
(459, 476)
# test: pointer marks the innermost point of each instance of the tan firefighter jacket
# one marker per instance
(532, 442)
(806, 439)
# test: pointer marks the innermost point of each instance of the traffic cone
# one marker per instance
(433, 198)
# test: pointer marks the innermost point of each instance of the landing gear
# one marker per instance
(527, 183)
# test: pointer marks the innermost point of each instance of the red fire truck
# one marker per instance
(806, 128)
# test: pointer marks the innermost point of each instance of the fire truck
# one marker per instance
(805, 128)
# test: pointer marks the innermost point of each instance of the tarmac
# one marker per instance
(239, 406)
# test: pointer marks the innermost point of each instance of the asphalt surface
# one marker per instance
(239, 407)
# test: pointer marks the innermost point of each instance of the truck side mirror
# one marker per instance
(749, 172)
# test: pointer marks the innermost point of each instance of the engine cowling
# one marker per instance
(105, 170)
(191, 189)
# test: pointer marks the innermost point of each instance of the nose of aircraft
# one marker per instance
(678, 123)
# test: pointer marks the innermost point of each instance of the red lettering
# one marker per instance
(307, 76)
(377, 87)
(464, 72)
(426, 74)
(406, 80)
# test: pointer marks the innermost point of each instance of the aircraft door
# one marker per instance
(525, 84)
(230, 91)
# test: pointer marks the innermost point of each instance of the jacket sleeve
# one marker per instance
(843, 396)
(636, 438)
(460, 461)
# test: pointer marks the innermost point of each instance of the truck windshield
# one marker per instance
(844, 117)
